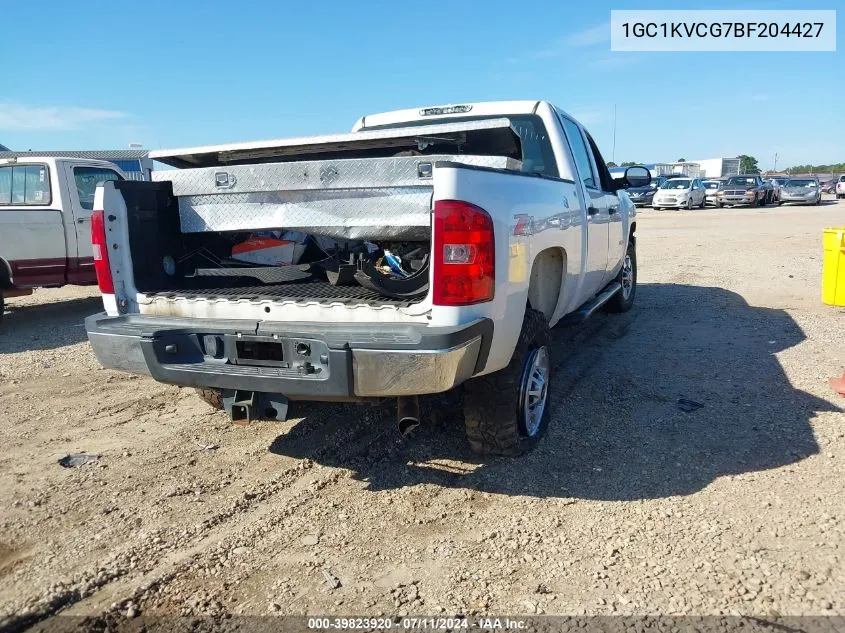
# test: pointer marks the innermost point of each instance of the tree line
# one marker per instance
(812, 169)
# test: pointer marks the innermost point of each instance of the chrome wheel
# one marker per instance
(533, 390)
(627, 277)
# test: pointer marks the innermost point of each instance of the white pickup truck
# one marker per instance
(440, 246)
(45, 213)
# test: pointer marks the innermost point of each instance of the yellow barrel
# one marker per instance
(833, 269)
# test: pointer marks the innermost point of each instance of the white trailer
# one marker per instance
(684, 168)
(718, 167)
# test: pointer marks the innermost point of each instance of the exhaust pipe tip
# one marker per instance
(408, 424)
(407, 413)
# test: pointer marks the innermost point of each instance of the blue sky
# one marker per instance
(96, 74)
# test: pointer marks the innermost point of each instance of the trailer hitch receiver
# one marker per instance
(245, 406)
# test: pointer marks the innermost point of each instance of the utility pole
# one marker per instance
(613, 153)
(776, 162)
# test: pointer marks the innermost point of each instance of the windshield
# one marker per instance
(736, 180)
(711, 184)
(781, 181)
(841, 178)
(795, 182)
(676, 183)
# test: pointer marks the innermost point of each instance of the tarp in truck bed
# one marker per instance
(492, 137)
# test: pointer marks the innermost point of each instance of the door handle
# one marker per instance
(82, 220)
(612, 210)
(592, 210)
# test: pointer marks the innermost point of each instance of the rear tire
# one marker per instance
(507, 412)
(2, 305)
(623, 300)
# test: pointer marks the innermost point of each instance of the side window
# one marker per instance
(24, 185)
(87, 179)
(605, 178)
(579, 152)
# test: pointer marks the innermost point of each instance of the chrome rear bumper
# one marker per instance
(304, 361)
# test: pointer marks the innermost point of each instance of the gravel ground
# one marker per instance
(629, 506)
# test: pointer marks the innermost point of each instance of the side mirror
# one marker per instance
(636, 177)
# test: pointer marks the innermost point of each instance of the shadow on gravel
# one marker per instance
(46, 326)
(617, 431)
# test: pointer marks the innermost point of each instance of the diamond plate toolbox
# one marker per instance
(353, 199)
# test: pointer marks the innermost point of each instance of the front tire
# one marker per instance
(507, 412)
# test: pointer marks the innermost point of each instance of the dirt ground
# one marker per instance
(629, 505)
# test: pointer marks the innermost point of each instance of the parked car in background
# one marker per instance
(45, 222)
(742, 190)
(770, 192)
(778, 184)
(840, 187)
(829, 186)
(678, 193)
(801, 190)
(644, 196)
(711, 188)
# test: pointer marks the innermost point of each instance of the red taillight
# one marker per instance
(101, 253)
(464, 254)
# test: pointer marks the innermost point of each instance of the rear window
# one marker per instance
(841, 178)
(24, 185)
(538, 157)
(711, 185)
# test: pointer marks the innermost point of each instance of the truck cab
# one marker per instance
(45, 221)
